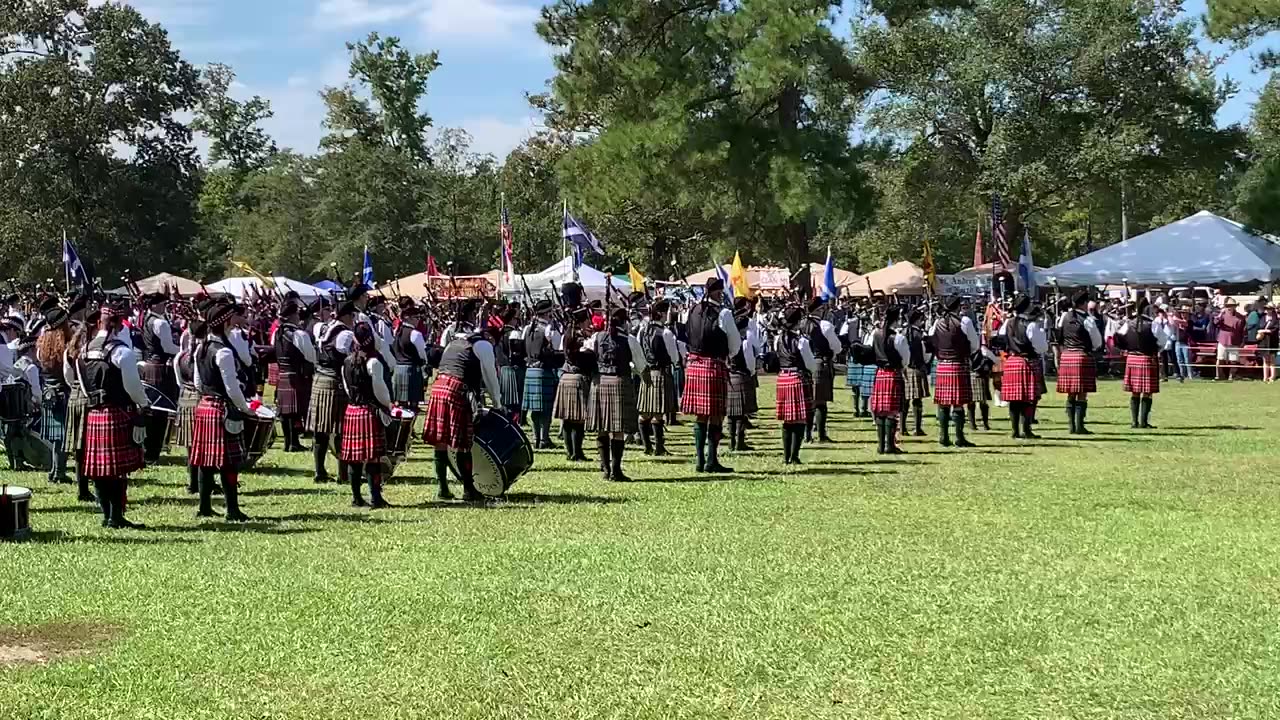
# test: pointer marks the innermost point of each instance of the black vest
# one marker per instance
(915, 347)
(818, 341)
(103, 384)
(788, 352)
(887, 356)
(206, 363)
(405, 352)
(152, 350)
(328, 357)
(358, 381)
(537, 347)
(460, 361)
(1075, 336)
(949, 340)
(705, 335)
(52, 380)
(1140, 338)
(288, 356)
(655, 347)
(613, 353)
(514, 350)
(1019, 344)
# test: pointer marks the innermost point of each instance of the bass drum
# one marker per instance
(500, 455)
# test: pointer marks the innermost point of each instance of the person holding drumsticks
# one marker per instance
(466, 367)
(217, 434)
(364, 435)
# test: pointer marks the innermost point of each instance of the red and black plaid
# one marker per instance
(109, 450)
(1141, 374)
(273, 375)
(1077, 373)
(1018, 380)
(889, 394)
(706, 387)
(795, 399)
(364, 439)
(953, 384)
(293, 392)
(211, 445)
(448, 417)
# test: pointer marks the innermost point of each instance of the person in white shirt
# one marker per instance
(797, 366)
(328, 402)
(612, 406)
(657, 399)
(17, 449)
(296, 358)
(713, 339)
(742, 403)
(217, 445)
(1019, 385)
(888, 393)
(825, 344)
(158, 350)
(8, 334)
(367, 416)
(1077, 371)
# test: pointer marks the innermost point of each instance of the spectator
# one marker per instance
(1201, 325)
(1253, 321)
(1230, 327)
(1268, 334)
(1162, 327)
(1181, 328)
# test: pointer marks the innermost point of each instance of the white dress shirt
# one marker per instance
(730, 328)
(162, 330)
(381, 392)
(237, 340)
(1160, 332)
(6, 362)
(829, 332)
(225, 361)
(30, 372)
(488, 370)
(1035, 334)
(302, 341)
(124, 358)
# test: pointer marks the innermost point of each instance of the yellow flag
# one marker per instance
(637, 280)
(738, 276)
(930, 272)
(266, 281)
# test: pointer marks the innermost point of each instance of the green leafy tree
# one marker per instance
(463, 203)
(234, 128)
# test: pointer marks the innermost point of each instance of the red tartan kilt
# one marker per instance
(795, 399)
(211, 445)
(448, 418)
(706, 387)
(273, 374)
(364, 438)
(953, 384)
(889, 394)
(1141, 374)
(109, 450)
(1077, 373)
(1018, 380)
(293, 392)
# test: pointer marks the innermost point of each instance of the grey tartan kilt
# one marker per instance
(572, 395)
(657, 395)
(612, 408)
(77, 416)
(407, 384)
(742, 399)
(824, 381)
(184, 427)
(511, 382)
(328, 404)
(981, 388)
(916, 384)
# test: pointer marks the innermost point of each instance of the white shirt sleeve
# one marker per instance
(806, 354)
(32, 375)
(226, 362)
(673, 348)
(124, 358)
(555, 337)
(380, 390)
(6, 362)
(638, 362)
(1036, 335)
(749, 354)
(173, 364)
(829, 332)
(161, 328)
(419, 342)
(970, 331)
(1091, 327)
(488, 370)
(901, 345)
(185, 342)
(924, 351)
(345, 341)
(303, 342)
(238, 342)
(68, 370)
(730, 329)
(1123, 329)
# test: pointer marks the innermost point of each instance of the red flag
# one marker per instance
(431, 266)
(977, 248)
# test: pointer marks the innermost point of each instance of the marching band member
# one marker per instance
(887, 395)
(51, 349)
(511, 375)
(851, 334)
(955, 340)
(409, 347)
(158, 351)
(1141, 342)
(368, 412)
(1077, 372)
(466, 367)
(797, 366)
(217, 433)
(657, 397)
(328, 403)
(742, 402)
(540, 342)
(1018, 383)
(612, 411)
(78, 402)
(823, 342)
(296, 359)
(184, 370)
(713, 339)
(114, 427)
(573, 392)
(915, 375)
(981, 363)
(28, 370)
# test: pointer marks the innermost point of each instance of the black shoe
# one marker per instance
(718, 469)
(379, 504)
(322, 479)
(87, 497)
(743, 447)
(123, 524)
(471, 496)
(620, 477)
(918, 433)
(237, 517)
(1028, 435)
(963, 443)
(444, 494)
(944, 441)
(358, 502)
(826, 439)
(1148, 426)
(1084, 431)
(895, 450)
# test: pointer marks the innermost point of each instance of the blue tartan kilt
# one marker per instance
(53, 419)
(540, 390)
(407, 385)
(867, 381)
(853, 375)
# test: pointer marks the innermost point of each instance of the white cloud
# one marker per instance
(442, 21)
(493, 135)
(354, 13)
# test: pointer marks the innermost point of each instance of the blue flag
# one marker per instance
(366, 276)
(578, 234)
(724, 278)
(71, 261)
(1026, 268)
(829, 290)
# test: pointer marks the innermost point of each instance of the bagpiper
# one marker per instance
(1018, 383)
(409, 347)
(573, 391)
(795, 376)
(887, 394)
(364, 434)
(1141, 341)
(217, 434)
(51, 348)
(328, 403)
(657, 398)
(713, 339)
(158, 351)
(296, 360)
(955, 340)
(824, 342)
(541, 341)
(612, 407)
(742, 402)
(1077, 371)
(915, 375)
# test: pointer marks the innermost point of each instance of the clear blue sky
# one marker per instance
(286, 50)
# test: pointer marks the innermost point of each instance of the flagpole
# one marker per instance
(66, 268)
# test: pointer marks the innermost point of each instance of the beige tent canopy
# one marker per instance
(768, 279)
(415, 286)
(164, 281)
(905, 278)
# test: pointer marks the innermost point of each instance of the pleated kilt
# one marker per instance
(160, 376)
(953, 384)
(211, 445)
(273, 375)
(852, 375)
(888, 395)
(328, 404)
(407, 385)
(612, 408)
(77, 415)
(293, 393)
(867, 380)
(1018, 380)
(511, 382)
(448, 416)
(1077, 373)
(185, 426)
(677, 376)
(742, 399)
(981, 385)
(109, 450)
(539, 390)
(657, 394)
(915, 384)
(824, 382)
(1141, 374)
(364, 438)
(1037, 369)
(794, 406)
(706, 387)
(53, 419)
(573, 395)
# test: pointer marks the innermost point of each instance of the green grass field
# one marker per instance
(1123, 575)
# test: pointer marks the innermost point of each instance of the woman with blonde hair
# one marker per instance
(51, 349)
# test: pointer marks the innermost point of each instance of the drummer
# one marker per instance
(158, 351)
(466, 368)
(114, 428)
(295, 358)
(611, 411)
(328, 403)
(368, 413)
(218, 431)
(184, 370)
(15, 446)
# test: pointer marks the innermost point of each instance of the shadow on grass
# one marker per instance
(561, 499)
(851, 470)
(270, 492)
(1207, 427)
(278, 470)
(263, 526)
(119, 537)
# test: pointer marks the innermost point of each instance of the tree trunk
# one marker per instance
(660, 256)
(795, 233)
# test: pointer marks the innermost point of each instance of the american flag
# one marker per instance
(999, 231)
(508, 251)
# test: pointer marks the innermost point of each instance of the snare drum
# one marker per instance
(399, 437)
(15, 509)
(15, 401)
(258, 437)
(501, 453)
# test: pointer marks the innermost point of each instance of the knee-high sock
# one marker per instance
(1015, 417)
(355, 475)
(1134, 404)
(917, 408)
(442, 471)
(193, 479)
(374, 472)
(1144, 416)
(797, 442)
(733, 433)
(617, 448)
(957, 414)
(786, 443)
(714, 434)
(646, 434)
(944, 423)
(320, 448)
(660, 433)
(700, 443)
(820, 412)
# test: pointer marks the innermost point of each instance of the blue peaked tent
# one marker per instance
(1203, 249)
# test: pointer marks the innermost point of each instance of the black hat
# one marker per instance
(816, 303)
(468, 307)
(1142, 305)
(306, 311)
(571, 294)
(410, 310)
(357, 291)
(952, 303)
(406, 302)
(1079, 297)
(917, 313)
(25, 343)
(92, 317)
(221, 313)
(618, 317)
(659, 307)
(1021, 303)
(714, 284)
(794, 315)
(636, 297)
(152, 298)
(78, 303)
(48, 303)
(206, 304)
(542, 306)
(346, 308)
(323, 302)
(290, 307)
(55, 318)
(580, 314)
(377, 301)
(292, 295)
(741, 304)
(365, 336)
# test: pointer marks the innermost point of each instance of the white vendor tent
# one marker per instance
(592, 280)
(1203, 249)
(239, 287)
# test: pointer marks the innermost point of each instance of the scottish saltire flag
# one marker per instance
(724, 278)
(366, 276)
(829, 291)
(1027, 268)
(71, 261)
(999, 231)
(578, 234)
(577, 256)
(508, 252)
